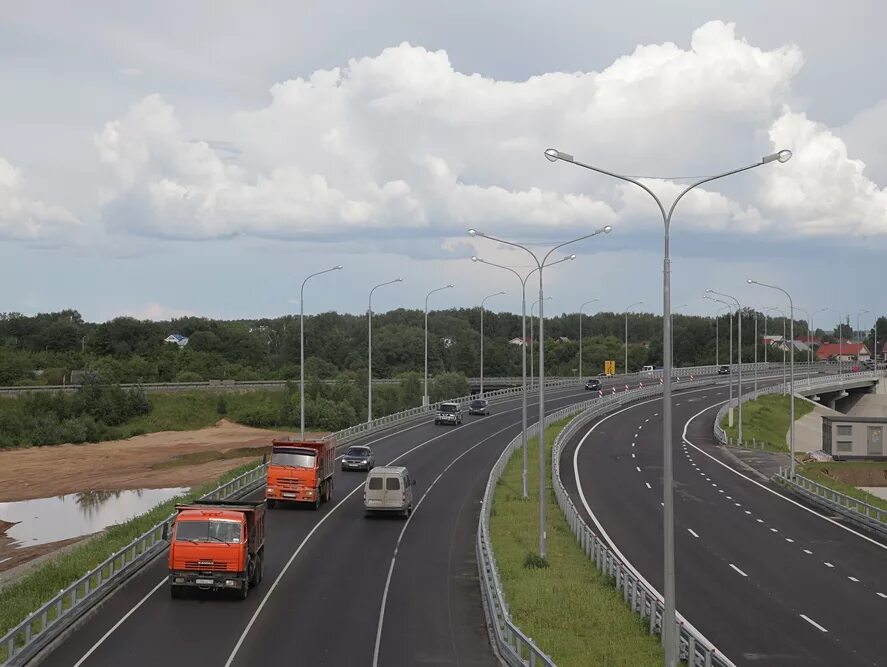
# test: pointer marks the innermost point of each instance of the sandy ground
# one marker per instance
(40, 472)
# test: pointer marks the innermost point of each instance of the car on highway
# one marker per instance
(723, 370)
(479, 406)
(448, 412)
(358, 457)
(388, 489)
(592, 384)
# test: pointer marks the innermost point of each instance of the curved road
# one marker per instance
(768, 580)
(339, 589)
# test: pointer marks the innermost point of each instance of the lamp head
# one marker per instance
(398, 280)
(472, 232)
(474, 259)
(502, 292)
(708, 291)
(552, 154)
(750, 281)
(572, 257)
(782, 156)
(338, 267)
(608, 229)
(450, 285)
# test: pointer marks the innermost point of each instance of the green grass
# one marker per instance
(571, 611)
(815, 471)
(43, 583)
(766, 420)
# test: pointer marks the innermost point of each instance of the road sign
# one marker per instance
(610, 367)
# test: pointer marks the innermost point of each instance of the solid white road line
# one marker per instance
(738, 570)
(404, 530)
(767, 489)
(121, 621)
(883, 595)
(813, 623)
(690, 530)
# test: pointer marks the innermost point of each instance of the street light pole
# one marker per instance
(541, 265)
(627, 308)
(683, 305)
(729, 359)
(580, 333)
(533, 340)
(670, 635)
(523, 281)
(370, 347)
(338, 267)
(482, 340)
(791, 429)
(425, 385)
(738, 355)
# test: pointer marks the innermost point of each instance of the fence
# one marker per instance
(513, 645)
(854, 509)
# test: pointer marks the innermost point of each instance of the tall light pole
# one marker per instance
(541, 265)
(425, 390)
(533, 340)
(807, 318)
(791, 428)
(627, 308)
(670, 636)
(523, 318)
(580, 333)
(717, 330)
(784, 346)
(729, 360)
(338, 267)
(482, 301)
(738, 356)
(370, 347)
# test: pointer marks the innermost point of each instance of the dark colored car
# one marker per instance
(479, 406)
(359, 457)
(724, 370)
(592, 384)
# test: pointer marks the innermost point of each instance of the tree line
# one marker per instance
(45, 348)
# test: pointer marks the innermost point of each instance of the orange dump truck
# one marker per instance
(301, 471)
(216, 545)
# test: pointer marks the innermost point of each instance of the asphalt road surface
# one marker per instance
(768, 580)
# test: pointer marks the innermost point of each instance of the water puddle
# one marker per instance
(46, 520)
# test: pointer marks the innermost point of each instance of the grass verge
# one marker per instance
(766, 420)
(22, 597)
(824, 472)
(571, 611)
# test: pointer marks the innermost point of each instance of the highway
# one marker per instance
(338, 589)
(768, 580)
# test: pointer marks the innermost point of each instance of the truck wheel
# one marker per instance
(175, 592)
(244, 590)
(316, 505)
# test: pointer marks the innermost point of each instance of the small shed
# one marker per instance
(846, 438)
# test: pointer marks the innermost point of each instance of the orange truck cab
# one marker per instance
(301, 471)
(216, 545)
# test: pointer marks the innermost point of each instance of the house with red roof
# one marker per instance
(845, 351)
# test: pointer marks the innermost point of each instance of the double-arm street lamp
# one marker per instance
(370, 347)
(580, 333)
(425, 390)
(541, 264)
(627, 308)
(482, 301)
(338, 267)
(739, 357)
(523, 318)
(670, 631)
(533, 340)
(791, 428)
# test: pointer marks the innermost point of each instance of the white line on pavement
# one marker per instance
(813, 623)
(690, 530)
(738, 570)
(648, 485)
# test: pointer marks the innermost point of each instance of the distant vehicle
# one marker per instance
(301, 471)
(217, 545)
(592, 384)
(358, 457)
(723, 370)
(388, 489)
(647, 370)
(448, 413)
(479, 406)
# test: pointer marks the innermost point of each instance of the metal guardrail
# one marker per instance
(31, 635)
(49, 620)
(515, 647)
(861, 512)
(800, 385)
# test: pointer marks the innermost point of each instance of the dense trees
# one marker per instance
(45, 348)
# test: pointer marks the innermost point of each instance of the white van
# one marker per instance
(388, 489)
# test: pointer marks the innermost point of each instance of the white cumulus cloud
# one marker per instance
(25, 218)
(402, 145)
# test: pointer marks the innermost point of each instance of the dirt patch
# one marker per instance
(869, 476)
(152, 461)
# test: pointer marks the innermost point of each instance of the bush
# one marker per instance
(222, 406)
(326, 415)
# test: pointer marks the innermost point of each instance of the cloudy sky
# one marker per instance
(172, 158)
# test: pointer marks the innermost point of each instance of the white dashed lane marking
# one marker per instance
(827, 564)
(690, 530)
(813, 623)
(738, 570)
(648, 485)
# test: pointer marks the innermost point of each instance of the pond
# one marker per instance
(44, 520)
